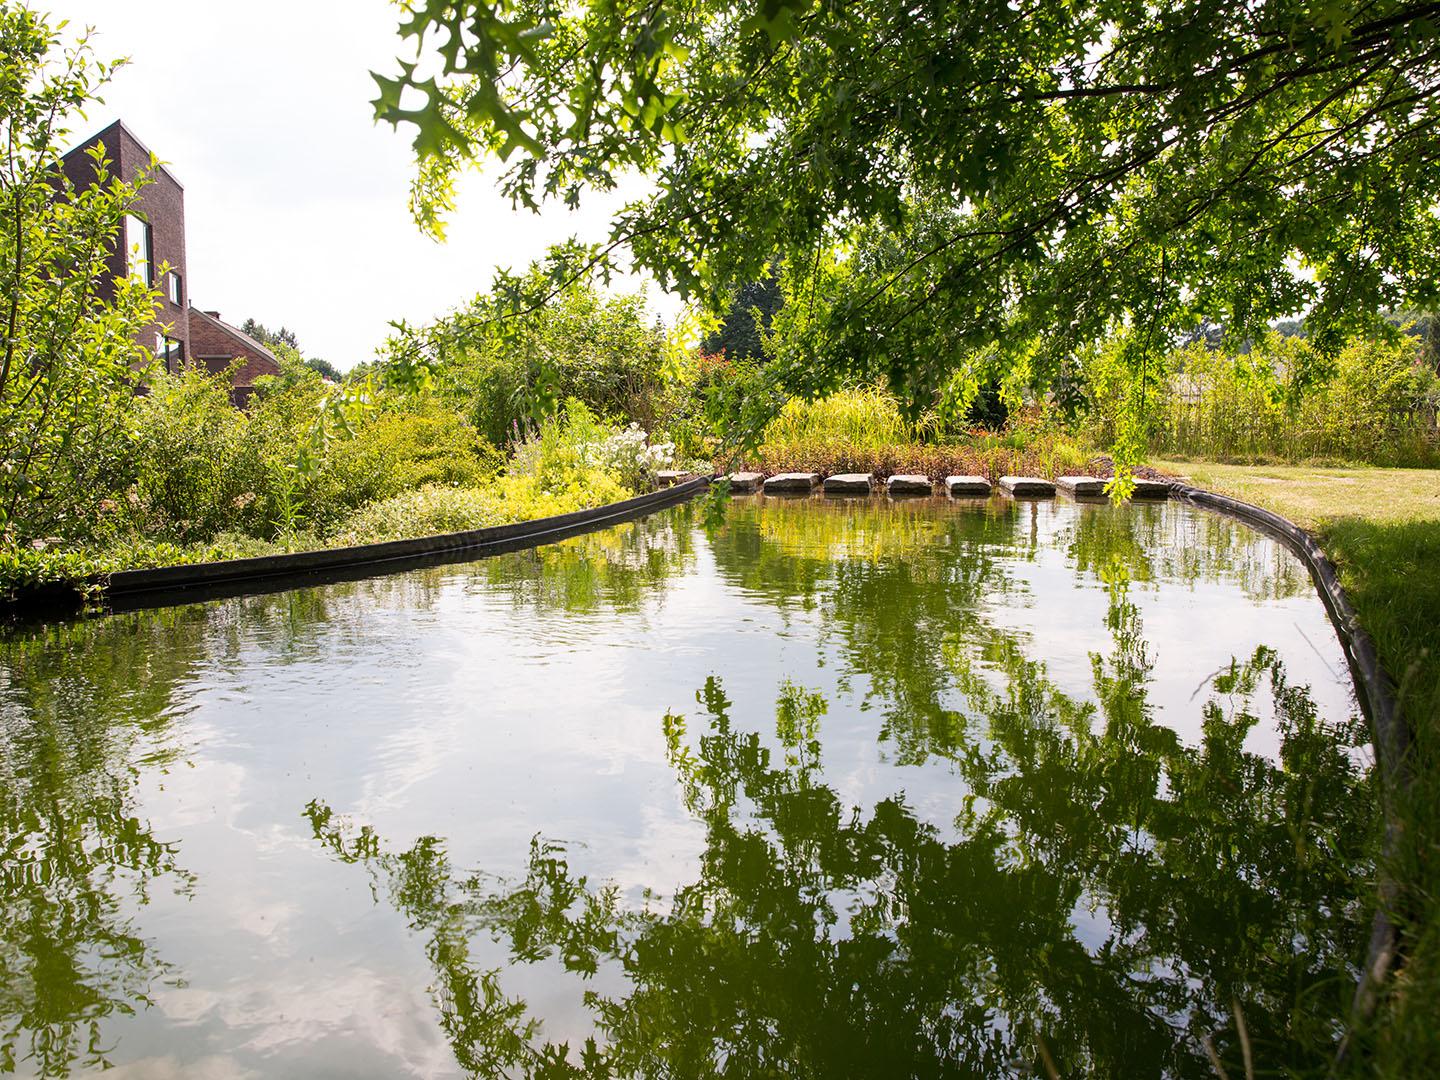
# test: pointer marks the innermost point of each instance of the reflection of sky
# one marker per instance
(1193, 631)
(451, 710)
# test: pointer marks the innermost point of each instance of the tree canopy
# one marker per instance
(941, 180)
(749, 316)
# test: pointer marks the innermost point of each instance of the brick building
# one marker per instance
(218, 345)
(153, 236)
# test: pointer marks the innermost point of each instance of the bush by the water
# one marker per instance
(598, 349)
(567, 466)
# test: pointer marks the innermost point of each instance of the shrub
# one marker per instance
(863, 430)
(194, 464)
(631, 458)
(503, 373)
(864, 417)
(1374, 403)
(435, 509)
(408, 444)
(574, 447)
(424, 512)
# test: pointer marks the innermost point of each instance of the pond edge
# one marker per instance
(168, 586)
(1375, 690)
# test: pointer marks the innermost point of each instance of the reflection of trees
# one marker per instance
(897, 584)
(616, 569)
(1234, 873)
(817, 937)
(85, 707)
(892, 582)
(1159, 541)
(82, 708)
(1108, 896)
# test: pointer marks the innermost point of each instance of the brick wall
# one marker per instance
(162, 204)
(217, 344)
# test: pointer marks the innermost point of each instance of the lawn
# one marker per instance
(1313, 497)
(1381, 527)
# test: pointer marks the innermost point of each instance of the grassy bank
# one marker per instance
(1381, 527)
(573, 462)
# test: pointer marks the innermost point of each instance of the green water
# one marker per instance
(846, 788)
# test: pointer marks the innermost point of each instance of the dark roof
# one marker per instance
(119, 125)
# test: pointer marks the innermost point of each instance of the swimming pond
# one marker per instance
(847, 786)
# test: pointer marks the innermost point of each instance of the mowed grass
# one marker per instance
(1314, 496)
(1381, 527)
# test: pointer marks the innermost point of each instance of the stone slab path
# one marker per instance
(1027, 487)
(968, 486)
(793, 481)
(909, 485)
(850, 483)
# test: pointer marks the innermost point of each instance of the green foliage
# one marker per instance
(324, 368)
(201, 467)
(864, 417)
(1387, 569)
(864, 430)
(979, 176)
(69, 363)
(284, 342)
(740, 335)
(556, 472)
(416, 443)
(194, 464)
(1374, 401)
(426, 511)
(508, 374)
(261, 333)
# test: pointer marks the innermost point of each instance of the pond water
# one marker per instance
(844, 787)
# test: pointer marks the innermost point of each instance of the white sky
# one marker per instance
(295, 200)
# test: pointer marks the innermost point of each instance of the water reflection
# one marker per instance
(1155, 543)
(1108, 898)
(83, 709)
(891, 581)
(1033, 866)
(617, 570)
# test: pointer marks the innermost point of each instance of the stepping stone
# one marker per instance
(976, 486)
(793, 481)
(857, 483)
(669, 477)
(746, 481)
(1151, 489)
(909, 485)
(1026, 486)
(1081, 486)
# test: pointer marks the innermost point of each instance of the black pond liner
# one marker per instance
(1375, 690)
(169, 586)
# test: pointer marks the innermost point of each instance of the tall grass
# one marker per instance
(864, 431)
(1387, 569)
(866, 418)
(1373, 404)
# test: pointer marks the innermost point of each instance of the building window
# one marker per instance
(170, 350)
(176, 293)
(139, 254)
